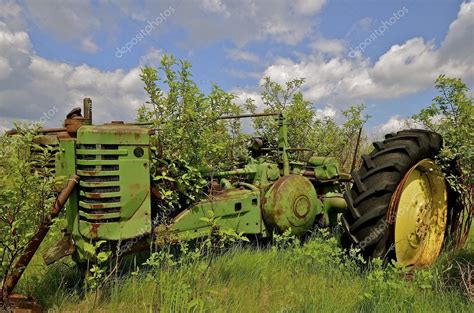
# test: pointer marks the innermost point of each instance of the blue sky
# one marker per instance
(52, 54)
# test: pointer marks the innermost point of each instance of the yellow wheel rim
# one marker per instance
(420, 214)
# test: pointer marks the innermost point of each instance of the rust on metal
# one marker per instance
(155, 192)
(94, 229)
(291, 203)
(227, 117)
(87, 103)
(354, 158)
(22, 304)
(51, 130)
(215, 188)
(73, 124)
(393, 206)
(308, 173)
(95, 195)
(76, 112)
(63, 248)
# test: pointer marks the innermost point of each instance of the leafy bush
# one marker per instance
(323, 134)
(26, 194)
(452, 115)
(186, 120)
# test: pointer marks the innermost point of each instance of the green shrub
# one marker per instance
(26, 194)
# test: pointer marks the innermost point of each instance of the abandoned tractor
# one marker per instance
(394, 206)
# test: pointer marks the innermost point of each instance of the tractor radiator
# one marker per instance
(113, 162)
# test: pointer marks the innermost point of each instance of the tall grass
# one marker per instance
(288, 277)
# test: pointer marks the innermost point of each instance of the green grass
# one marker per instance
(312, 278)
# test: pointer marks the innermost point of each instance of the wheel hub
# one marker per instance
(302, 206)
(419, 212)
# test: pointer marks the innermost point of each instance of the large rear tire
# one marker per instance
(397, 206)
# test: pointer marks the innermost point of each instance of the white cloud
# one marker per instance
(404, 69)
(237, 54)
(309, 7)
(242, 21)
(215, 6)
(152, 57)
(326, 112)
(10, 13)
(362, 25)
(457, 50)
(329, 46)
(5, 68)
(4, 126)
(241, 97)
(285, 21)
(88, 45)
(70, 20)
(243, 94)
(47, 84)
(395, 123)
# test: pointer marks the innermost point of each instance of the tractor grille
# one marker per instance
(99, 194)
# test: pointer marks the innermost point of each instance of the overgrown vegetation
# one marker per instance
(321, 134)
(26, 194)
(452, 115)
(188, 127)
(223, 272)
(288, 276)
(185, 119)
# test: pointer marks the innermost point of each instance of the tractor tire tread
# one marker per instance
(381, 172)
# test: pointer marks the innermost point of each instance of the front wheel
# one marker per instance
(398, 204)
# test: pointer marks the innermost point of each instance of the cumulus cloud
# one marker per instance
(284, 21)
(309, 7)
(326, 112)
(243, 21)
(243, 94)
(457, 49)
(69, 20)
(47, 85)
(88, 45)
(10, 13)
(215, 6)
(5, 69)
(329, 46)
(152, 57)
(404, 69)
(393, 124)
(331, 77)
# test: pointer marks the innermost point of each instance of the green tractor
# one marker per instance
(395, 206)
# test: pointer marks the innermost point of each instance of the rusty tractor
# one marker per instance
(396, 205)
